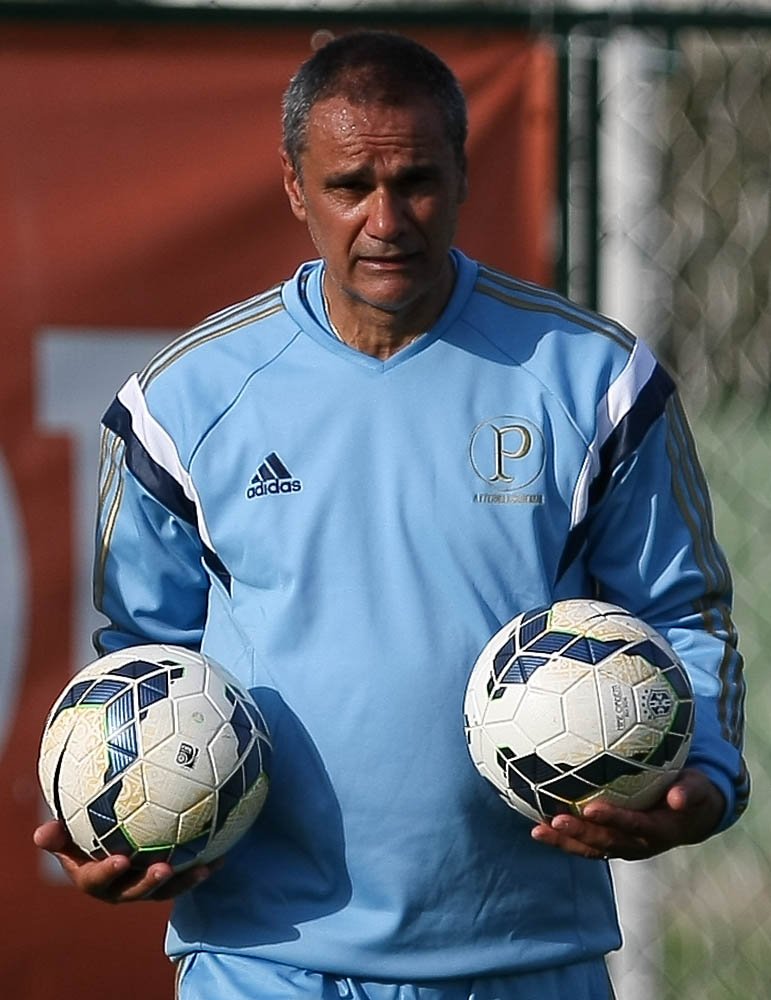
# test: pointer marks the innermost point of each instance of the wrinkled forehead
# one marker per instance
(368, 103)
(351, 123)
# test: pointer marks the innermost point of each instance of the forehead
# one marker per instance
(354, 132)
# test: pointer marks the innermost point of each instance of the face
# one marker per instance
(379, 189)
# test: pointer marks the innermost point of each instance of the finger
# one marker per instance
(679, 797)
(696, 804)
(113, 879)
(81, 869)
(136, 885)
(630, 822)
(591, 840)
(570, 835)
(51, 836)
(97, 878)
(160, 883)
(642, 834)
(186, 880)
(690, 790)
(183, 882)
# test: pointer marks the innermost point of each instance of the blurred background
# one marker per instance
(618, 152)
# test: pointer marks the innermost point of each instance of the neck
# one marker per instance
(378, 331)
(381, 343)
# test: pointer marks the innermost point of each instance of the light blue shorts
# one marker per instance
(206, 976)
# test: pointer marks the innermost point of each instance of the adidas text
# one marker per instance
(273, 486)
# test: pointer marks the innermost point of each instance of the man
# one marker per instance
(389, 529)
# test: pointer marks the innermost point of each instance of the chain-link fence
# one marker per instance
(684, 256)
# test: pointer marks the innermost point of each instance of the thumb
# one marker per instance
(695, 793)
(51, 836)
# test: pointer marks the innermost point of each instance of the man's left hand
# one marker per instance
(688, 813)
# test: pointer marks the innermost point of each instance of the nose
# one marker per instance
(385, 218)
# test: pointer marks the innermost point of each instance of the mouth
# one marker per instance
(387, 262)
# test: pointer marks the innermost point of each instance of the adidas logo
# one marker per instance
(272, 477)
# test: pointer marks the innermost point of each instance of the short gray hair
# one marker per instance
(373, 66)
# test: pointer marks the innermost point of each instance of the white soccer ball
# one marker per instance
(577, 702)
(155, 752)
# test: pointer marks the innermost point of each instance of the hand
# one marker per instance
(113, 879)
(688, 813)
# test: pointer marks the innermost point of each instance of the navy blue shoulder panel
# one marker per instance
(621, 443)
(153, 477)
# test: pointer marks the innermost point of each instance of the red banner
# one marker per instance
(140, 191)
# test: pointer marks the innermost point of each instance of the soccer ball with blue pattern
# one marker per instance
(155, 752)
(576, 702)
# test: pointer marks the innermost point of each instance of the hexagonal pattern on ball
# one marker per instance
(156, 752)
(574, 702)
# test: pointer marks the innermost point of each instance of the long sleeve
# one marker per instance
(150, 580)
(651, 547)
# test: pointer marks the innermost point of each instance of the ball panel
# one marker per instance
(638, 743)
(255, 761)
(151, 827)
(503, 708)
(80, 829)
(122, 750)
(239, 819)
(632, 791)
(559, 675)
(223, 753)
(587, 649)
(133, 793)
(617, 706)
(67, 806)
(568, 749)
(197, 820)
(196, 716)
(507, 733)
(677, 679)
(540, 715)
(170, 789)
(50, 754)
(86, 736)
(583, 712)
(80, 776)
(157, 724)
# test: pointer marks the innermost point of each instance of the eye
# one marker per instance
(354, 187)
(417, 182)
(349, 187)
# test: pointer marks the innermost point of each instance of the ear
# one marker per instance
(293, 186)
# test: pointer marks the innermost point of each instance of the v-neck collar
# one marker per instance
(304, 300)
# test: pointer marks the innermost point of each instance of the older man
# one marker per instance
(374, 391)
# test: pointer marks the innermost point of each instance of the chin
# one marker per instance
(400, 295)
(389, 304)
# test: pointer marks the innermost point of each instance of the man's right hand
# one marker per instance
(113, 879)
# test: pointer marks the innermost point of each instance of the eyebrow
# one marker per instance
(365, 173)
